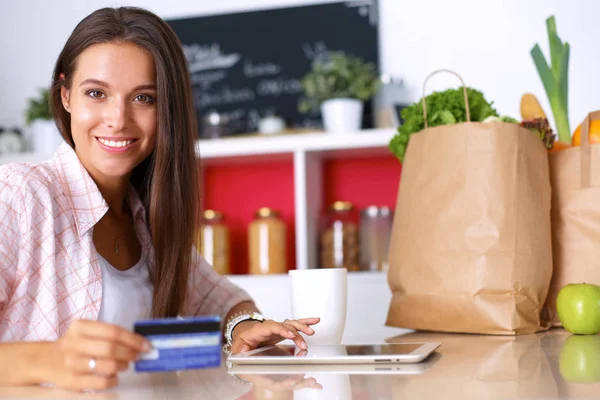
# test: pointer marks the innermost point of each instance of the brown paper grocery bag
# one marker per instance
(575, 180)
(471, 243)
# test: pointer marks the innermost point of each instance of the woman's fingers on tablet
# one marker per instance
(302, 327)
(271, 332)
(244, 348)
(292, 333)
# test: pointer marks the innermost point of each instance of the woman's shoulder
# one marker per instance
(28, 180)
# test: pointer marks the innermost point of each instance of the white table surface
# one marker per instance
(546, 365)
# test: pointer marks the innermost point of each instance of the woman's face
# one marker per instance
(112, 102)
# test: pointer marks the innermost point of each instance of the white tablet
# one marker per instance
(385, 353)
(336, 369)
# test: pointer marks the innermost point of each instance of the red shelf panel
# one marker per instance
(239, 190)
(362, 181)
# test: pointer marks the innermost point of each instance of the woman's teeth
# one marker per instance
(112, 143)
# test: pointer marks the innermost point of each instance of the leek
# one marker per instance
(555, 77)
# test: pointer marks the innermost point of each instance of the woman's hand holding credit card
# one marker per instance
(90, 355)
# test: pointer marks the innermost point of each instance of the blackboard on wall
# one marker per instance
(249, 65)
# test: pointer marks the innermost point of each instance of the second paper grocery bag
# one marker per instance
(471, 243)
(575, 174)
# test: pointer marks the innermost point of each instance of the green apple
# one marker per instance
(578, 306)
(580, 359)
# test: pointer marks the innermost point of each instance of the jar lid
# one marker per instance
(212, 215)
(377, 211)
(342, 206)
(265, 212)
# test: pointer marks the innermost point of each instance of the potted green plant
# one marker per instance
(44, 136)
(39, 107)
(338, 86)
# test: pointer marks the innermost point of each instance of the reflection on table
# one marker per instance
(547, 365)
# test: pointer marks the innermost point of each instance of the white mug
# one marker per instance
(320, 293)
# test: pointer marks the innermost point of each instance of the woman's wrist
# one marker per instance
(238, 315)
(29, 363)
(38, 362)
(242, 326)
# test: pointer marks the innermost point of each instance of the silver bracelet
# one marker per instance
(236, 319)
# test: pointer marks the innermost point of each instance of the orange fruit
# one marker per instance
(594, 133)
(558, 146)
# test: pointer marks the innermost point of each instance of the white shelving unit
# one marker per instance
(307, 150)
(263, 148)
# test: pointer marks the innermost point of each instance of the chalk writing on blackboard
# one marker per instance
(313, 52)
(252, 70)
(248, 65)
(224, 95)
(202, 58)
(278, 86)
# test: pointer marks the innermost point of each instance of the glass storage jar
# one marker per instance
(375, 231)
(339, 246)
(213, 241)
(266, 243)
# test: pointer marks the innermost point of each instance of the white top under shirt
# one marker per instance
(126, 295)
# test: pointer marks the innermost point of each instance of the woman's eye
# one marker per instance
(95, 94)
(145, 98)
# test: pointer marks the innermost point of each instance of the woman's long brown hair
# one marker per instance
(167, 181)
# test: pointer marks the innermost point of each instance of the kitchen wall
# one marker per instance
(486, 41)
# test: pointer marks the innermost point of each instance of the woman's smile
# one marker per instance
(116, 145)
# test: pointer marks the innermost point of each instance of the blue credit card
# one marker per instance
(180, 343)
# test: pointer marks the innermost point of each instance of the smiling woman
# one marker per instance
(100, 236)
(105, 90)
(113, 119)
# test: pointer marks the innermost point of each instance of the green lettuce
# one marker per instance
(443, 108)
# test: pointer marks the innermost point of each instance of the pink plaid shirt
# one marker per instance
(49, 269)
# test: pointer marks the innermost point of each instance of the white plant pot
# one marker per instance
(43, 136)
(342, 115)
